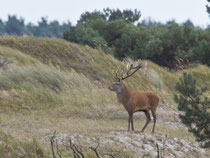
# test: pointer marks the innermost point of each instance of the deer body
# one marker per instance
(134, 101)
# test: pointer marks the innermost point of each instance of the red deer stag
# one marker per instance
(133, 100)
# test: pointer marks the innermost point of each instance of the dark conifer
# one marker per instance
(195, 108)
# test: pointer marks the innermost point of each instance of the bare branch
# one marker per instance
(95, 150)
(73, 149)
(52, 144)
(146, 155)
(82, 155)
(158, 151)
(59, 153)
(109, 155)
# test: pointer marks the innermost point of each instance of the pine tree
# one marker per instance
(195, 108)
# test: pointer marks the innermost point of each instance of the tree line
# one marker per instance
(44, 28)
(123, 35)
(120, 33)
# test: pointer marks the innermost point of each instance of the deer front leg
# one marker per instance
(132, 123)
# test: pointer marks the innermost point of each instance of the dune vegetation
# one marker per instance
(49, 84)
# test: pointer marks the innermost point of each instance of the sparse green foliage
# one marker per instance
(1, 27)
(87, 16)
(208, 8)
(126, 15)
(111, 15)
(194, 108)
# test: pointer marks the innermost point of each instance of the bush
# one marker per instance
(86, 36)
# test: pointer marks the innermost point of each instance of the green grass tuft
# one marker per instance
(35, 75)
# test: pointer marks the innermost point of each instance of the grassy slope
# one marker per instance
(52, 77)
(96, 66)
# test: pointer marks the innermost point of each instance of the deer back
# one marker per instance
(142, 100)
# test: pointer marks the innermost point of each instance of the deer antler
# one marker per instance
(125, 74)
(115, 75)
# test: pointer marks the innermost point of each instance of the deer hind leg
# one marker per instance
(132, 123)
(129, 120)
(154, 118)
(148, 120)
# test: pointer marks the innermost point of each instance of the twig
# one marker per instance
(52, 144)
(82, 155)
(109, 155)
(164, 146)
(95, 150)
(158, 151)
(146, 155)
(59, 153)
(72, 146)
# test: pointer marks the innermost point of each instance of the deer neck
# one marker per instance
(124, 95)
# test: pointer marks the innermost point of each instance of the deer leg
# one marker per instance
(129, 120)
(148, 120)
(132, 123)
(154, 118)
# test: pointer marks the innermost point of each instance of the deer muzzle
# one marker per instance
(110, 88)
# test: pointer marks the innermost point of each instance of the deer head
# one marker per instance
(118, 86)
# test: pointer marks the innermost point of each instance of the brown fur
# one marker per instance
(135, 101)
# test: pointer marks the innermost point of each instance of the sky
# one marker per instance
(70, 10)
